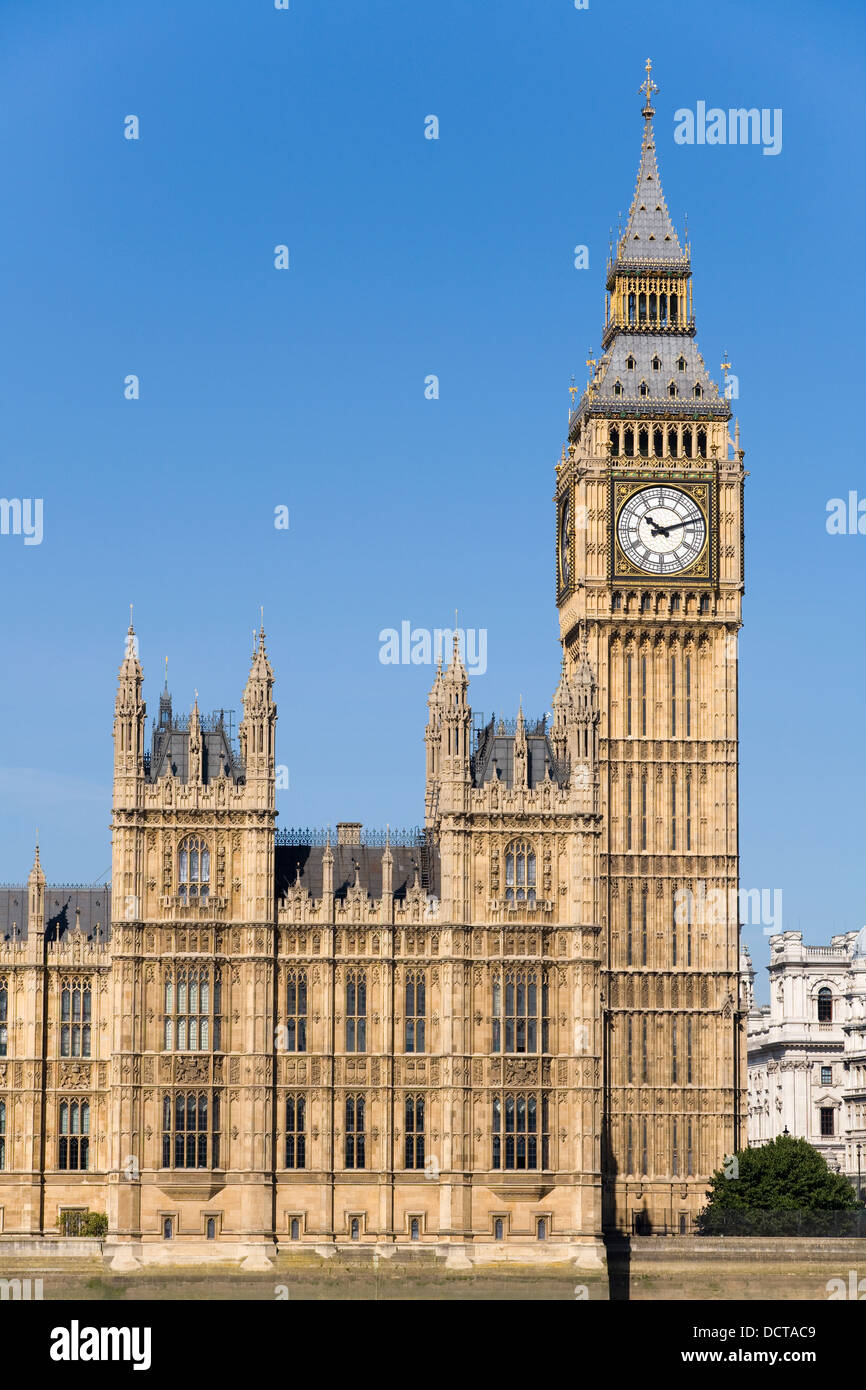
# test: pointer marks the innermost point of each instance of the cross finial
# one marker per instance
(648, 85)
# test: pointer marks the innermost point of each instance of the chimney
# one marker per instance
(348, 832)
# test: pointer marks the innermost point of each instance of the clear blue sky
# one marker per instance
(306, 387)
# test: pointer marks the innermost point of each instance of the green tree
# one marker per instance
(782, 1188)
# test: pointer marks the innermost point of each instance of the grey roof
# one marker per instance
(668, 349)
(170, 745)
(650, 233)
(494, 756)
(303, 863)
(66, 906)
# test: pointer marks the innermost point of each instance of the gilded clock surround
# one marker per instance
(702, 489)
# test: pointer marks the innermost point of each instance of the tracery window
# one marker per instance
(296, 1011)
(296, 1134)
(74, 1142)
(193, 1005)
(355, 1133)
(4, 1020)
(190, 1130)
(356, 1011)
(414, 1132)
(516, 1013)
(416, 1010)
(520, 1136)
(2, 1135)
(193, 869)
(520, 873)
(75, 1004)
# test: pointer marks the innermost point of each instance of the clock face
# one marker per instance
(661, 529)
(564, 565)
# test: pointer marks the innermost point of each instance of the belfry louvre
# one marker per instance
(500, 1035)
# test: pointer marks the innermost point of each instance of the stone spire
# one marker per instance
(195, 744)
(257, 727)
(456, 719)
(36, 897)
(129, 712)
(649, 233)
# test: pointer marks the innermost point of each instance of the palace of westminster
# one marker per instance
(500, 1036)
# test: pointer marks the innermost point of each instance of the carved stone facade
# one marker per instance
(499, 1036)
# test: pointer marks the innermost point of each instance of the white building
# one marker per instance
(807, 1048)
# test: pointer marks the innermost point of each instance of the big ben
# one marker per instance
(649, 576)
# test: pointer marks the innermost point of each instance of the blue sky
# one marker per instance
(306, 387)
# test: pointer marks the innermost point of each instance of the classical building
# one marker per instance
(807, 1048)
(500, 1036)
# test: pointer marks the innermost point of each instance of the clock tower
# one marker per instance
(649, 579)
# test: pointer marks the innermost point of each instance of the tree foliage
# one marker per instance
(784, 1187)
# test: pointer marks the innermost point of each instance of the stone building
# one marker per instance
(807, 1048)
(500, 1036)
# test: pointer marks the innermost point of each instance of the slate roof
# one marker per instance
(494, 755)
(65, 906)
(304, 863)
(650, 234)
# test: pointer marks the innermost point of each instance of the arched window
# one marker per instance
(631, 308)
(296, 1132)
(657, 363)
(193, 1001)
(295, 1231)
(2, 1135)
(629, 442)
(652, 306)
(702, 442)
(210, 1229)
(672, 389)
(296, 1011)
(825, 1005)
(617, 388)
(681, 363)
(415, 1229)
(190, 1130)
(414, 1132)
(356, 1011)
(416, 1010)
(663, 310)
(193, 869)
(355, 1133)
(4, 1021)
(614, 440)
(630, 363)
(75, 1018)
(516, 1131)
(74, 1142)
(498, 1229)
(355, 1228)
(643, 443)
(644, 389)
(520, 873)
(516, 1001)
(167, 1228)
(641, 308)
(673, 308)
(541, 1229)
(698, 391)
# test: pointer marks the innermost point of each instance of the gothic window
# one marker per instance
(516, 1001)
(520, 1138)
(656, 364)
(498, 1229)
(74, 1143)
(193, 1003)
(631, 308)
(643, 443)
(629, 441)
(296, 1011)
(672, 438)
(355, 1134)
(644, 1156)
(705, 603)
(825, 1005)
(210, 1229)
(698, 391)
(674, 1063)
(672, 389)
(687, 443)
(675, 1157)
(643, 931)
(644, 1066)
(414, 1132)
(681, 364)
(416, 1010)
(628, 932)
(674, 308)
(167, 1228)
(702, 443)
(2, 1135)
(614, 432)
(658, 443)
(415, 1229)
(355, 1229)
(689, 1076)
(653, 302)
(520, 873)
(356, 1011)
(628, 662)
(643, 813)
(663, 310)
(4, 1017)
(628, 785)
(644, 389)
(190, 1127)
(641, 308)
(541, 1229)
(75, 1018)
(295, 1229)
(629, 1152)
(630, 363)
(688, 697)
(193, 870)
(617, 388)
(296, 1136)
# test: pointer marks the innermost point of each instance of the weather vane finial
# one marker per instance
(648, 85)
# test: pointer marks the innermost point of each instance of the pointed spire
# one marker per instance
(37, 874)
(649, 234)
